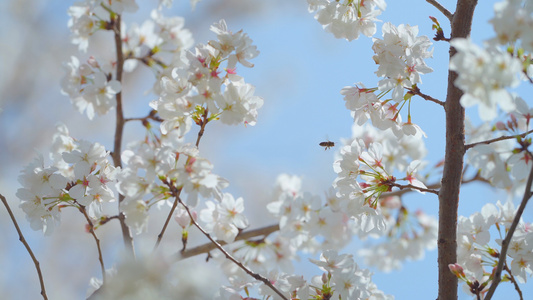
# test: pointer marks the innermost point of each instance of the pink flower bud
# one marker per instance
(457, 270)
(500, 126)
(92, 62)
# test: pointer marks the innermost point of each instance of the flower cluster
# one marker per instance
(483, 76)
(80, 177)
(192, 92)
(89, 87)
(303, 216)
(89, 16)
(513, 23)
(343, 279)
(474, 254)
(373, 162)
(505, 164)
(348, 19)
(154, 168)
(159, 35)
(408, 239)
(400, 56)
(225, 218)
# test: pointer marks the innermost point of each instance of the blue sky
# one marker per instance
(299, 73)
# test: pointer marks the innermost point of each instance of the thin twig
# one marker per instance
(416, 91)
(152, 116)
(256, 276)
(25, 243)
(119, 129)
(410, 186)
(405, 191)
(506, 242)
(513, 280)
(243, 235)
(91, 231)
(501, 138)
(442, 9)
(202, 128)
(167, 221)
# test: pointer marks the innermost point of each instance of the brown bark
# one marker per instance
(119, 129)
(452, 173)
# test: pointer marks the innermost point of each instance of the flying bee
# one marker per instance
(327, 144)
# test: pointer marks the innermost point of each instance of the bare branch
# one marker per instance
(505, 243)
(501, 138)
(202, 127)
(513, 280)
(81, 208)
(442, 9)
(410, 186)
(25, 243)
(416, 91)
(171, 212)
(244, 235)
(228, 256)
(461, 26)
(432, 186)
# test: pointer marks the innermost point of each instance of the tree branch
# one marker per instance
(256, 276)
(513, 280)
(226, 254)
(202, 127)
(174, 205)
(25, 243)
(243, 235)
(501, 138)
(461, 25)
(416, 91)
(442, 9)
(91, 231)
(119, 130)
(412, 187)
(505, 243)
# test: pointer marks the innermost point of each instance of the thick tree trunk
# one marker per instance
(455, 150)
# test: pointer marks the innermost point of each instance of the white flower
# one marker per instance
(136, 212)
(224, 218)
(347, 19)
(100, 95)
(483, 77)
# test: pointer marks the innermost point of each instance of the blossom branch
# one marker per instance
(119, 129)
(91, 231)
(433, 186)
(513, 280)
(441, 8)
(151, 116)
(410, 186)
(243, 235)
(256, 276)
(203, 122)
(501, 138)
(176, 193)
(506, 242)
(416, 91)
(25, 243)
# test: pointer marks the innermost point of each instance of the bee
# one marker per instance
(327, 144)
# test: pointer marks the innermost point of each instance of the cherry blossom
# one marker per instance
(347, 19)
(483, 76)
